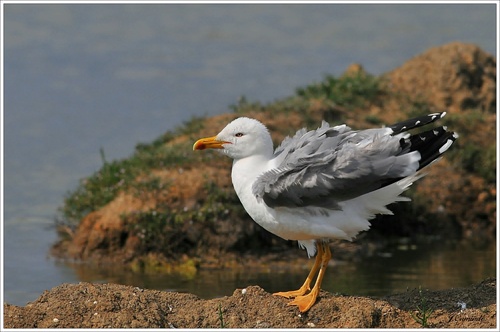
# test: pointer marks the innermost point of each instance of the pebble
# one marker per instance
(462, 305)
(243, 291)
(310, 324)
(55, 320)
(262, 325)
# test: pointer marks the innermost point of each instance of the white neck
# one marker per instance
(246, 170)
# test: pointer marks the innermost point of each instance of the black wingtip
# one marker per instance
(416, 122)
(431, 144)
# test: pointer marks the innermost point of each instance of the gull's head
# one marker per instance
(241, 138)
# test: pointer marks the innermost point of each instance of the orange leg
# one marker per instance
(305, 302)
(307, 284)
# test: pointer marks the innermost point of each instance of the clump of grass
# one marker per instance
(293, 104)
(243, 106)
(195, 124)
(423, 311)
(221, 317)
(352, 91)
(373, 119)
(159, 230)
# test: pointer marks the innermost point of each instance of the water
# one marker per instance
(395, 269)
(81, 77)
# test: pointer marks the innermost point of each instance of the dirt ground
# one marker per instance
(86, 305)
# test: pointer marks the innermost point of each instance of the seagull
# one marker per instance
(326, 183)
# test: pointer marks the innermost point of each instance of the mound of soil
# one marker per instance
(454, 199)
(87, 305)
(452, 77)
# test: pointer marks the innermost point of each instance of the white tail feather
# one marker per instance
(363, 208)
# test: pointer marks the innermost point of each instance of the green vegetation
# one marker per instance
(221, 317)
(478, 160)
(373, 119)
(474, 153)
(159, 230)
(352, 91)
(290, 105)
(162, 229)
(423, 311)
(98, 189)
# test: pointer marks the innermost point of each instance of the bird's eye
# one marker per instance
(239, 135)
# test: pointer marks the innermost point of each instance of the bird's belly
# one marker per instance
(297, 223)
(266, 217)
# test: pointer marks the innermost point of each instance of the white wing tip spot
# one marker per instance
(445, 146)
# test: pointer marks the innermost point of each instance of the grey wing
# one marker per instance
(322, 167)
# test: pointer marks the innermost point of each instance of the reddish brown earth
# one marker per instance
(87, 305)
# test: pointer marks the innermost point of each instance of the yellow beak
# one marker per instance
(208, 143)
